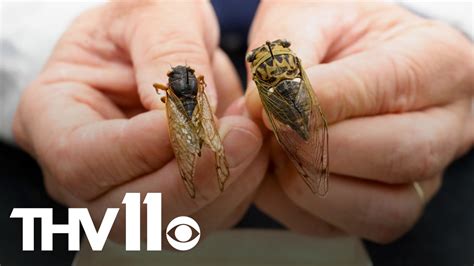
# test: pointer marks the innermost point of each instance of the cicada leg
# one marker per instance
(162, 87)
(159, 87)
(201, 80)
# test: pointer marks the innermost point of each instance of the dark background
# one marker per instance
(443, 236)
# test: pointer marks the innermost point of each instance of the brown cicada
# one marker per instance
(293, 110)
(191, 124)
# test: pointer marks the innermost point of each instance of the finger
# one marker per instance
(392, 78)
(398, 148)
(372, 210)
(236, 108)
(298, 27)
(272, 200)
(231, 205)
(239, 212)
(227, 81)
(84, 54)
(168, 34)
(242, 142)
(311, 46)
(97, 149)
(387, 78)
(468, 138)
(114, 79)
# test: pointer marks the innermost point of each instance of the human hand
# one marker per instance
(93, 120)
(397, 92)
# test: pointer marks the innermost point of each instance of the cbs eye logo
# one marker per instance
(183, 233)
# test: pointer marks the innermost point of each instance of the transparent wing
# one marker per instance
(320, 138)
(309, 156)
(204, 119)
(184, 140)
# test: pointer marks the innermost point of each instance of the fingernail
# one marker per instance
(240, 144)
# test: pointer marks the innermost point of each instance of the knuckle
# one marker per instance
(334, 93)
(401, 165)
(415, 157)
(408, 76)
(386, 221)
(292, 185)
(351, 104)
(22, 120)
(427, 160)
(129, 132)
(58, 162)
(18, 130)
(52, 188)
(68, 170)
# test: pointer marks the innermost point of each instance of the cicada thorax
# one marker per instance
(281, 77)
(282, 66)
(184, 84)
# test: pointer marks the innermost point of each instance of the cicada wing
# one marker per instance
(204, 120)
(318, 124)
(309, 156)
(184, 140)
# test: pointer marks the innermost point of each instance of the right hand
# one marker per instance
(93, 120)
(397, 92)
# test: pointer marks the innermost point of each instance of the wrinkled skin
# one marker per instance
(396, 90)
(95, 124)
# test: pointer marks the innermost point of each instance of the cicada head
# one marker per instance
(280, 45)
(180, 71)
(183, 81)
(273, 62)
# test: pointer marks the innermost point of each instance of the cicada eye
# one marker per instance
(190, 69)
(285, 43)
(250, 57)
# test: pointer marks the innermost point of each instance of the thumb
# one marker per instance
(295, 21)
(399, 76)
(171, 33)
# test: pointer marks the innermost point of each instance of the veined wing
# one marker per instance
(204, 119)
(184, 140)
(310, 156)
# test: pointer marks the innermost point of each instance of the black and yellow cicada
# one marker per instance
(191, 124)
(293, 110)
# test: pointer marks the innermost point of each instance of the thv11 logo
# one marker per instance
(183, 228)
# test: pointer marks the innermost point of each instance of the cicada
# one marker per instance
(294, 112)
(191, 124)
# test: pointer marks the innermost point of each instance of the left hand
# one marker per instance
(396, 90)
(98, 129)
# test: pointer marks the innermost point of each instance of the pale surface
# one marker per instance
(238, 247)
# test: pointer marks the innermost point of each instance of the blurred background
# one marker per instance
(28, 31)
